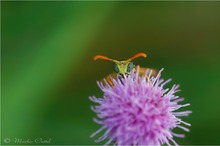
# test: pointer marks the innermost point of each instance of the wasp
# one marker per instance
(124, 67)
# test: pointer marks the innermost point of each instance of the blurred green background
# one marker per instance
(48, 72)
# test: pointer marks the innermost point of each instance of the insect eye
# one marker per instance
(115, 67)
(130, 66)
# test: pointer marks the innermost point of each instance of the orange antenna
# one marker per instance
(136, 56)
(104, 58)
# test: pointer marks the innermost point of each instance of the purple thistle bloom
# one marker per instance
(137, 111)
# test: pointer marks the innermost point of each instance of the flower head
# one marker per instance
(139, 111)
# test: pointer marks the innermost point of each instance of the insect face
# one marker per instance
(123, 67)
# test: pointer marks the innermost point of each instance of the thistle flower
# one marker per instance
(139, 111)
